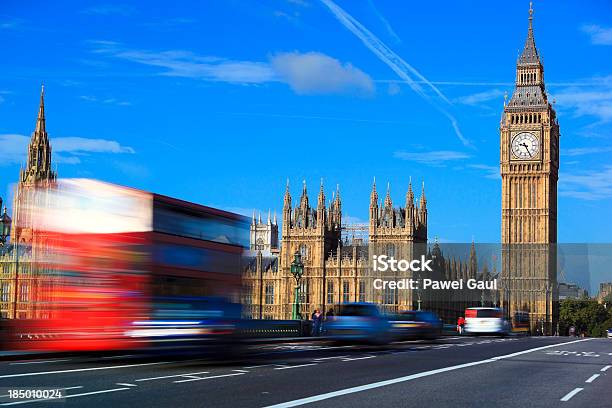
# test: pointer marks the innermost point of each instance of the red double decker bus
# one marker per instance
(126, 269)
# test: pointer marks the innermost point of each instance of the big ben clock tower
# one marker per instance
(529, 164)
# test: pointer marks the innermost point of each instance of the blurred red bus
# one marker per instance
(124, 268)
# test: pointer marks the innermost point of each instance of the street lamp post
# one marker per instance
(548, 328)
(5, 226)
(297, 270)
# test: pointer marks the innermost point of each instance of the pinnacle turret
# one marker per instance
(530, 52)
(374, 195)
(423, 198)
(40, 130)
(410, 195)
(321, 200)
(388, 202)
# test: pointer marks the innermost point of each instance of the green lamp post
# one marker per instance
(297, 270)
(5, 226)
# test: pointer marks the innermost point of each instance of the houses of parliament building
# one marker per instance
(338, 269)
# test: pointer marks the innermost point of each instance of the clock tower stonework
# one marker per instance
(529, 164)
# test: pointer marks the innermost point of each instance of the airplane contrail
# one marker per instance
(404, 70)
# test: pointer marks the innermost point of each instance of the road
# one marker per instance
(451, 372)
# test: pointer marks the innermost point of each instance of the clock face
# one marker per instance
(525, 146)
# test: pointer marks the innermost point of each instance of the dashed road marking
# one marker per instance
(357, 358)
(38, 361)
(379, 384)
(295, 366)
(207, 378)
(606, 368)
(328, 358)
(127, 385)
(172, 376)
(570, 394)
(78, 370)
(592, 378)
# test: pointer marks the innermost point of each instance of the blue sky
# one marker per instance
(220, 102)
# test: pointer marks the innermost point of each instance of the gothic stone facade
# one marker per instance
(339, 271)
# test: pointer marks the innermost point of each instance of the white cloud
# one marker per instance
(8, 23)
(581, 151)
(316, 73)
(85, 145)
(595, 100)
(189, 65)
(394, 89)
(587, 185)
(302, 3)
(491, 172)
(109, 9)
(599, 35)
(107, 101)
(305, 73)
(435, 158)
(13, 148)
(349, 219)
(480, 97)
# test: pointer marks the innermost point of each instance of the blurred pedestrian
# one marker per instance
(317, 318)
(460, 324)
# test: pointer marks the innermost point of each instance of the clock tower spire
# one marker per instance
(529, 165)
(529, 154)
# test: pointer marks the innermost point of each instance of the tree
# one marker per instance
(586, 315)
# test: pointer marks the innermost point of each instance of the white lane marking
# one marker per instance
(570, 394)
(38, 362)
(357, 358)
(592, 378)
(379, 384)
(295, 366)
(78, 370)
(606, 368)
(536, 349)
(261, 365)
(241, 371)
(208, 378)
(327, 358)
(171, 376)
(84, 394)
(127, 385)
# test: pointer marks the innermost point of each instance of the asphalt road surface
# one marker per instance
(451, 372)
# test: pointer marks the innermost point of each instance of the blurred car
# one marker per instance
(359, 323)
(415, 324)
(486, 320)
(609, 331)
